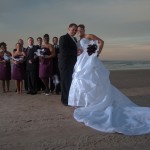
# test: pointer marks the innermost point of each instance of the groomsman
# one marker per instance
(39, 42)
(55, 80)
(67, 60)
(31, 67)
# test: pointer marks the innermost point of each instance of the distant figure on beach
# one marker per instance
(5, 66)
(99, 104)
(55, 80)
(31, 67)
(67, 60)
(18, 72)
(45, 62)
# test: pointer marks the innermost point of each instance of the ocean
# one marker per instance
(126, 65)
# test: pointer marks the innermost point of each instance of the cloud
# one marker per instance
(115, 21)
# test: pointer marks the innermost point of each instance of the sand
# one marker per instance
(39, 122)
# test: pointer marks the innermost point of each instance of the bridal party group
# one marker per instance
(34, 68)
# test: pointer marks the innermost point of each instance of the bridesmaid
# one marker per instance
(5, 66)
(18, 67)
(45, 63)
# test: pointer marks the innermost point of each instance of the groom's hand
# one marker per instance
(79, 51)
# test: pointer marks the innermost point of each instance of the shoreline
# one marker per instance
(130, 78)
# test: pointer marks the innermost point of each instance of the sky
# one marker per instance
(124, 25)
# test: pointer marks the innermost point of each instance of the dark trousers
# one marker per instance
(40, 85)
(32, 80)
(25, 82)
(25, 77)
(52, 86)
(58, 88)
(66, 79)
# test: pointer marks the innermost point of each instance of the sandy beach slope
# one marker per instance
(39, 122)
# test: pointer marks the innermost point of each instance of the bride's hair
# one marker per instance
(81, 26)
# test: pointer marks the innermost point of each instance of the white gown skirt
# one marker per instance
(100, 105)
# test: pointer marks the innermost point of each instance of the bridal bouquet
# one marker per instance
(92, 47)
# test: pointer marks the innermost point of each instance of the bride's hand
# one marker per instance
(98, 52)
(79, 51)
(100, 44)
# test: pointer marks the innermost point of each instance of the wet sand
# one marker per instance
(39, 122)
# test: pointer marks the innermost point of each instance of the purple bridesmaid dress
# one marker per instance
(45, 66)
(5, 70)
(18, 71)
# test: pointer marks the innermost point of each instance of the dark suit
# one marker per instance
(67, 60)
(32, 69)
(25, 76)
(55, 71)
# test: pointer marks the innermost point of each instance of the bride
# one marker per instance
(99, 104)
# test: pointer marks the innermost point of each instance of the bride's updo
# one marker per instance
(81, 26)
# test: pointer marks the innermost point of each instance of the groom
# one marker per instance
(67, 60)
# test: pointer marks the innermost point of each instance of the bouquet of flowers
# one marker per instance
(40, 52)
(6, 57)
(92, 47)
(18, 58)
(55, 79)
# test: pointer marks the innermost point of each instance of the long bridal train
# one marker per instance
(101, 105)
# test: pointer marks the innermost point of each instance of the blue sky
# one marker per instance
(124, 25)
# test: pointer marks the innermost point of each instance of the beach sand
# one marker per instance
(39, 122)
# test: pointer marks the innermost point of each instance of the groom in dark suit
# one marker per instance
(67, 60)
(31, 67)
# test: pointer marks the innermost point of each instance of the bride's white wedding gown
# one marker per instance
(102, 106)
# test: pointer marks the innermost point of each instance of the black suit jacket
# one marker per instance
(55, 60)
(30, 56)
(67, 51)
